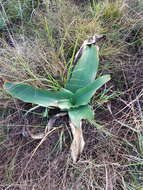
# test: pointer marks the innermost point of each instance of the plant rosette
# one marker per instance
(74, 98)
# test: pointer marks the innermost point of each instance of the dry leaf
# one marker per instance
(77, 143)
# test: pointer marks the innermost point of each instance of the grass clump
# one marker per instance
(16, 12)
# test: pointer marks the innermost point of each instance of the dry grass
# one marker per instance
(38, 51)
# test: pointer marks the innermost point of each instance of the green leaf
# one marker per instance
(83, 95)
(82, 112)
(44, 98)
(85, 69)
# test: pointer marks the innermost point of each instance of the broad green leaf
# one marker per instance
(85, 69)
(83, 95)
(44, 98)
(82, 112)
(67, 92)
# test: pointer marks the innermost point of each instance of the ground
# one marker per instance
(37, 41)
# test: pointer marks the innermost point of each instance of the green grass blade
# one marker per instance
(85, 69)
(83, 112)
(83, 95)
(44, 98)
(32, 109)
